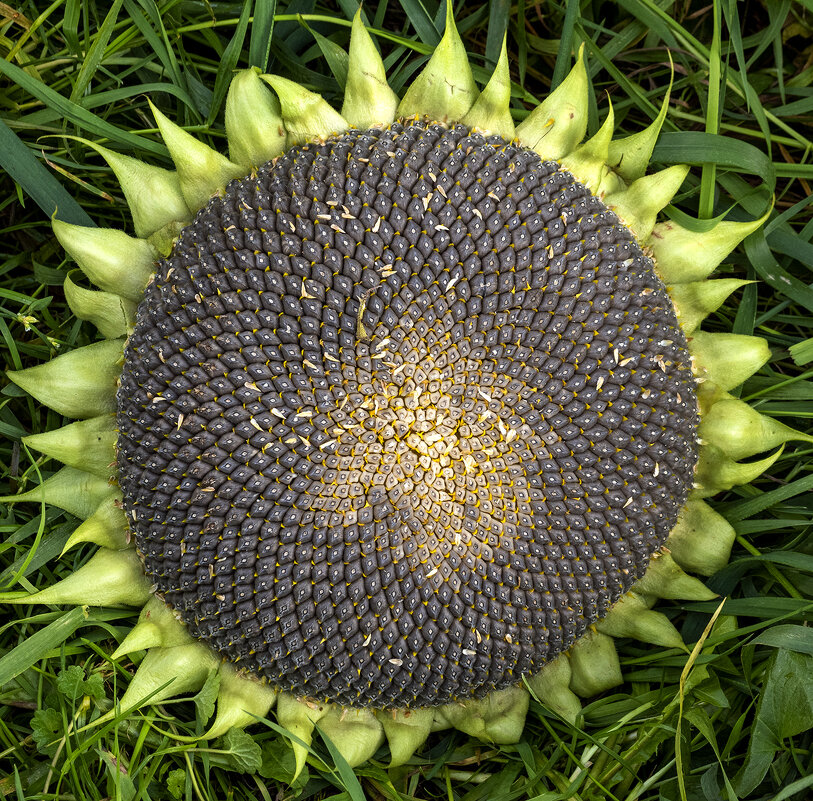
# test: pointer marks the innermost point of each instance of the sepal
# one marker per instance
(727, 359)
(81, 383)
(153, 194)
(299, 718)
(306, 115)
(682, 255)
(491, 111)
(109, 578)
(254, 126)
(594, 665)
(630, 156)
(112, 315)
(356, 733)
(240, 701)
(368, 99)
(445, 89)
(694, 301)
(701, 540)
(741, 431)
(106, 527)
(73, 490)
(664, 578)
(111, 259)
(638, 205)
(632, 617)
(157, 626)
(406, 731)
(182, 668)
(717, 472)
(497, 718)
(559, 122)
(203, 172)
(588, 162)
(551, 686)
(89, 445)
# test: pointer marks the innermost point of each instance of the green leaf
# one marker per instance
(349, 782)
(34, 648)
(94, 686)
(335, 55)
(802, 352)
(38, 182)
(76, 114)
(499, 14)
(422, 21)
(279, 763)
(785, 709)
(176, 783)
(96, 52)
(242, 751)
(695, 147)
(207, 696)
(789, 637)
(262, 29)
(45, 725)
(119, 782)
(70, 681)
(228, 62)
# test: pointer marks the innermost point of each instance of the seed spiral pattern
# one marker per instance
(402, 414)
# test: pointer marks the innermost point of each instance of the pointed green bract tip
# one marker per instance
(254, 126)
(445, 89)
(664, 578)
(73, 490)
(157, 626)
(551, 687)
(588, 162)
(406, 731)
(740, 431)
(632, 617)
(153, 194)
(727, 359)
(202, 172)
(491, 111)
(497, 718)
(701, 540)
(682, 255)
(306, 115)
(142, 637)
(107, 527)
(368, 99)
(166, 673)
(717, 472)
(559, 123)
(110, 578)
(696, 300)
(88, 444)
(240, 701)
(111, 259)
(638, 205)
(594, 665)
(112, 315)
(78, 384)
(630, 156)
(299, 718)
(356, 733)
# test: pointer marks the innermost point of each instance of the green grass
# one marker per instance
(732, 722)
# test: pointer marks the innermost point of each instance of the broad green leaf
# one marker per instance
(785, 709)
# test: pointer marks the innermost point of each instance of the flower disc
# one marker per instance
(403, 413)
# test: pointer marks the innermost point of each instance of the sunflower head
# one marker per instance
(401, 412)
